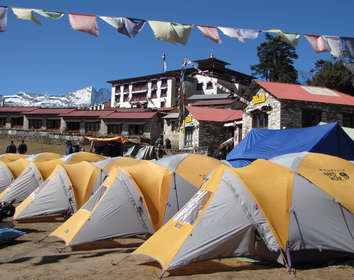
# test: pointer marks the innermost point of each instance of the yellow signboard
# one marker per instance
(188, 119)
(259, 98)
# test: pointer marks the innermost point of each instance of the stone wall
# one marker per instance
(291, 112)
(274, 114)
(211, 134)
(171, 131)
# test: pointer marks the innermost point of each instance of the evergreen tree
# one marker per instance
(276, 61)
(334, 75)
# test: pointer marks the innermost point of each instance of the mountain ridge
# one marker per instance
(80, 98)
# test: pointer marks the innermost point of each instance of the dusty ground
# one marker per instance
(33, 148)
(29, 259)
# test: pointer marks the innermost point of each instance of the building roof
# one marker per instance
(49, 111)
(16, 109)
(214, 102)
(86, 113)
(214, 115)
(306, 93)
(129, 115)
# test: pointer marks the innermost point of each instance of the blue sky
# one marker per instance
(54, 59)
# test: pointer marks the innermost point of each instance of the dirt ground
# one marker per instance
(33, 148)
(30, 258)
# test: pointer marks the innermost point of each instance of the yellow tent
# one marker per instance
(137, 199)
(295, 208)
(11, 157)
(67, 189)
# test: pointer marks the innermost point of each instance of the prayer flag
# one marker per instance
(170, 31)
(84, 23)
(25, 14)
(318, 43)
(3, 18)
(127, 26)
(210, 32)
(240, 34)
(48, 14)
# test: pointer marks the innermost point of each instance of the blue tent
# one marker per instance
(263, 143)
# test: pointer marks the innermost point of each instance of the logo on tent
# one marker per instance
(335, 174)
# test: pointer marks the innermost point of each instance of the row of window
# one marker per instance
(209, 85)
(309, 118)
(140, 96)
(141, 86)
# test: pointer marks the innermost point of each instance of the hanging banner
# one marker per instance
(318, 43)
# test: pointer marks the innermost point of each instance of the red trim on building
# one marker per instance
(214, 115)
(298, 92)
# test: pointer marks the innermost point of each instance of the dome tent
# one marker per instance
(137, 199)
(304, 214)
(263, 143)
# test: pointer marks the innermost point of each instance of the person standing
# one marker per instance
(22, 148)
(11, 148)
(69, 147)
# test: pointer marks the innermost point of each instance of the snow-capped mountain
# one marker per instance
(80, 98)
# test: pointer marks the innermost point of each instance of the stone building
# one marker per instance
(281, 105)
(12, 117)
(161, 90)
(46, 119)
(206, 128)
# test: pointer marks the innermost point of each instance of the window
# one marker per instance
(153, 93)
(139, 87)
(136, 129)
(163, 92)
(117, 89)
(126, 88)
(199, 86)
(92, 126)
(188, 136)
(163, 104)
(53, 124)
(141, 96)
(163, 83)
(348, 120)
(17, 122)
(126, 97)
(35, 124)
(114, 129)
(117, 98)
(260, 119)
(73, 126)
(2, 122)
(209, 85)
(311, 117)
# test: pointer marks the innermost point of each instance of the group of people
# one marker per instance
(21, 149)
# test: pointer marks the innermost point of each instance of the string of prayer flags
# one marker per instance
(127, 26)
(3, 19)
(210, 32)
(48, 14)
(239, 33)
(84, 23)
(25, 14)
(170, 31)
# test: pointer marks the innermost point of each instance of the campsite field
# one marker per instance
(29, 259)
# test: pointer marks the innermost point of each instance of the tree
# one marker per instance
(276, 61)
(334, 75)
